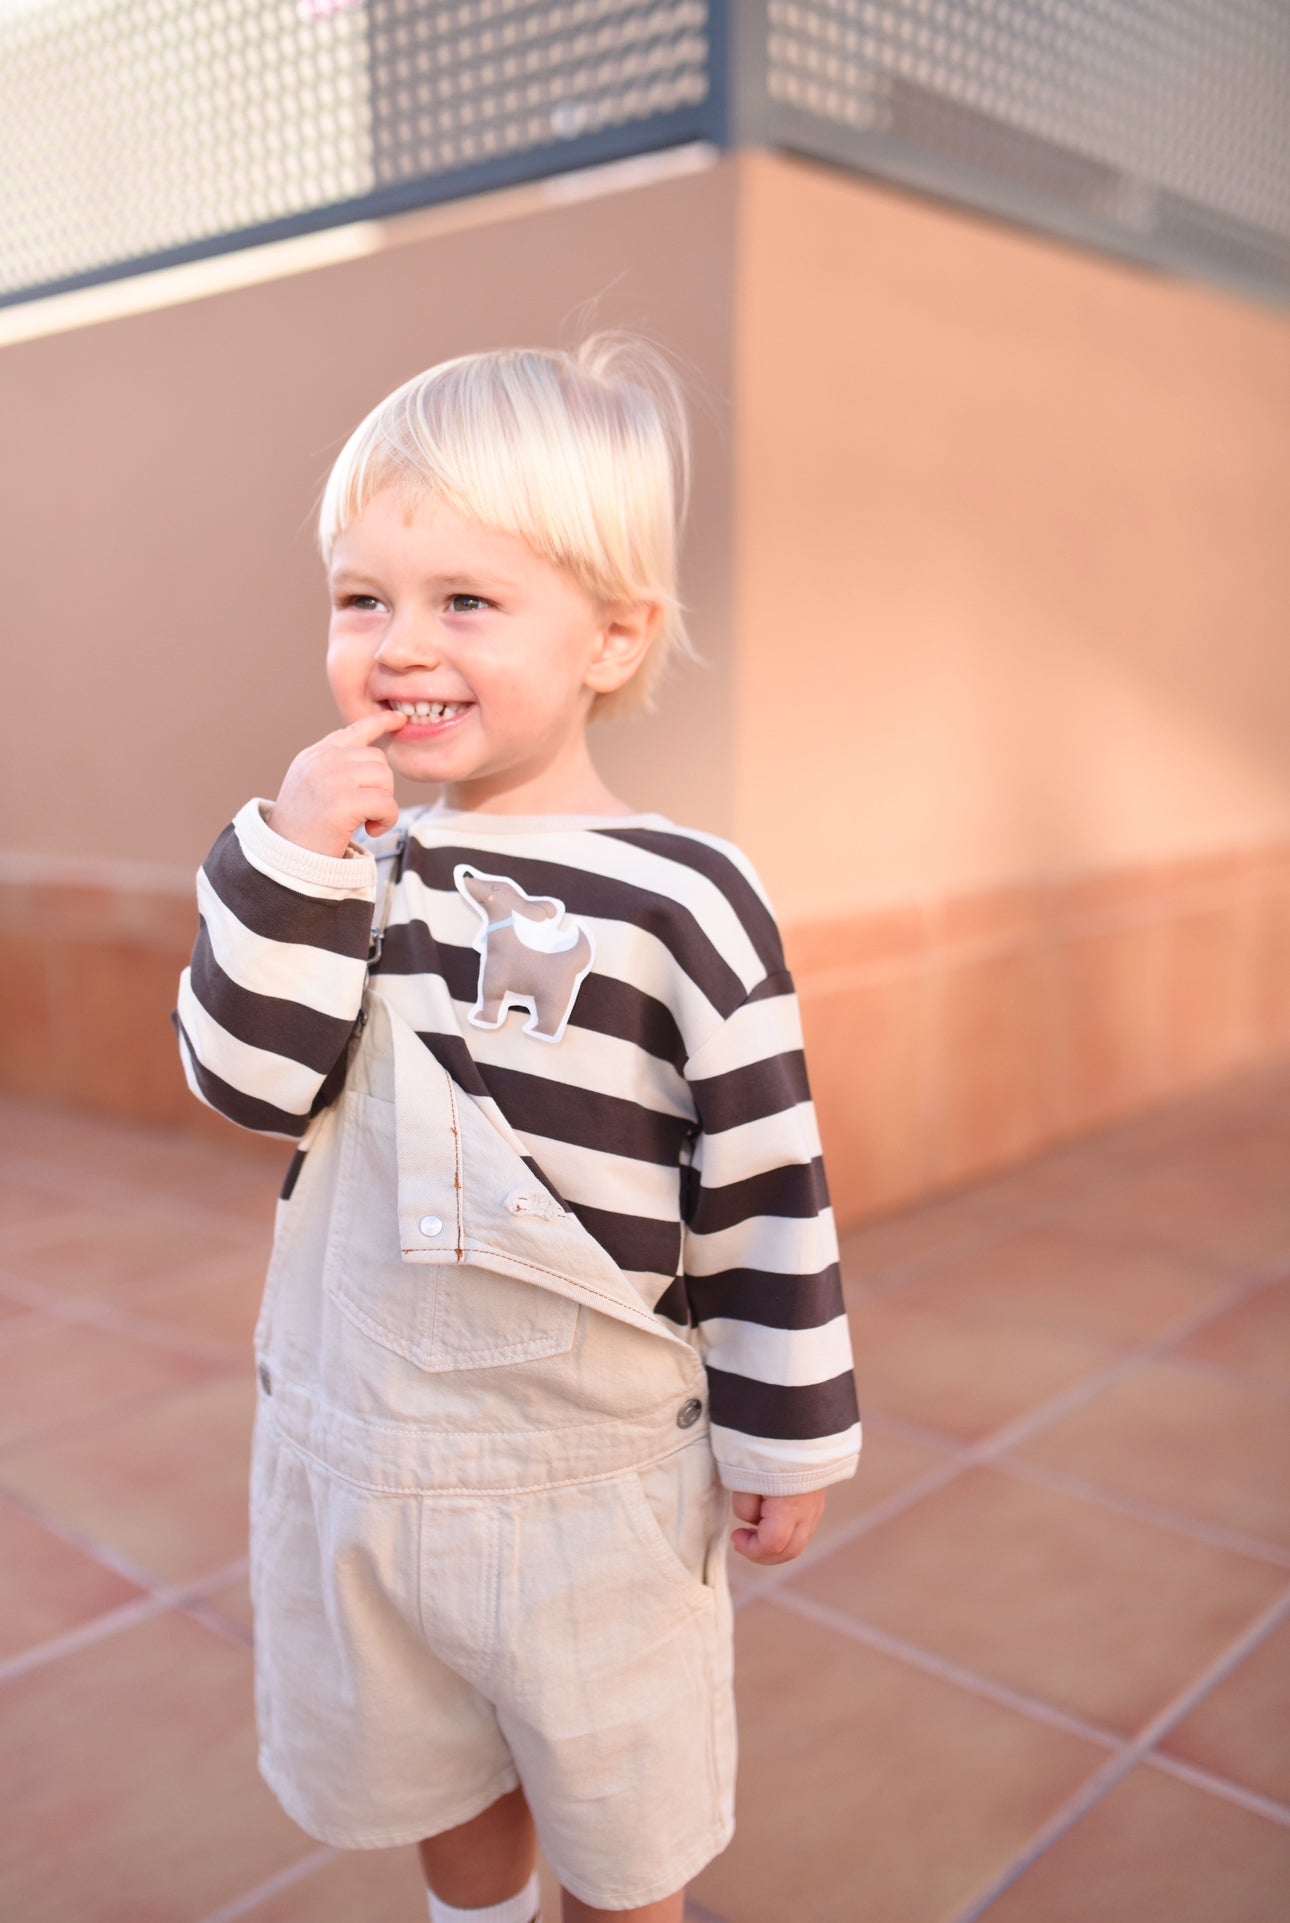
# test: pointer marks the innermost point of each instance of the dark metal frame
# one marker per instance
(707, 121)
(1041, 188)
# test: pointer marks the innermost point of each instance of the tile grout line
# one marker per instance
(958, 1461)
(1228, 1372)
(1103, 1781)
(1037, 1708)
(1174, 1520)
(190, 1273)
(158, 1599)
(1177, 1521)
(284, 1879)
(19, 1238)
(77, 1311)
(975, 1682)
(945, 1471)
(1057, 1217)
(149, 1197)
(68, 1428)
(1013, 1217)
(985, 1452)
(1229, 1790)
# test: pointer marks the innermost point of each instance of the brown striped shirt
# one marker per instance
(671, 1113)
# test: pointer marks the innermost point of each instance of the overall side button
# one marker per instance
(688, 1414)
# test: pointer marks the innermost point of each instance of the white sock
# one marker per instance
(517, 1909)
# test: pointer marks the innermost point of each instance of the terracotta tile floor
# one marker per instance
(1036, 1666)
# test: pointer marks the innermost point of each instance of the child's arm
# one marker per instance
(761, 1266)
(271, 996)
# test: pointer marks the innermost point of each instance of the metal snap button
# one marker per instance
(688, 1414)
(430, 1225)
(266, 1380)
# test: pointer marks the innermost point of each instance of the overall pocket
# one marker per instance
(440, 1316)
(678, 1512)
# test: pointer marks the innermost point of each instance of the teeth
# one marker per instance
(427, 710)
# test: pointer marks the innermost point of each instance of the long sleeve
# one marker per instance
(276, 980)
(761, 1258)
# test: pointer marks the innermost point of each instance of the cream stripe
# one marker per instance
(599, 1180)
(582, 1059)
(624, 952)
(793, 1358)
(755, 1148)
(753, 1033)
(830, 1458)
(637, 868)
(253, 1071)
(785, 1244)
(286, 970)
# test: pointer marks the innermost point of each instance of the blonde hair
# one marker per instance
(583, 453)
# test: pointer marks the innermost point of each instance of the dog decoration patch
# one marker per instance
(532, 954)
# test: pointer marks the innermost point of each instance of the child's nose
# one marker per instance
(410, 641)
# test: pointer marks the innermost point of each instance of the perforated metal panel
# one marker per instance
(457, 85)
(136, 131)
(1158, 128)
(133, 126)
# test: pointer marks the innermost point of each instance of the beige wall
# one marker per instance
(1013, 558)
(164, 606)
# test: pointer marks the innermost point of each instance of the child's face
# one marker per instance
(428, 607)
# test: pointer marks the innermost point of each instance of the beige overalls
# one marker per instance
(488, 1543)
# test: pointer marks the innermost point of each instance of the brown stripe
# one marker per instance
(755, 918)
(292, 1175)
(747, 1094)
(672, 1303)
(246, 1110)
(798, 1189)
(633, 1241)
(278, 913)
(797, 1412)
(766, 1296)
(772, 987)
(584, 1118)
(603, 1005)
(603, 896)
(287, 1028)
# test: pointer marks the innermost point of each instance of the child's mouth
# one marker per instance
(427, 719)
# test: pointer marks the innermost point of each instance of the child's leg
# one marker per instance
(670, 1910)
(486, 1860)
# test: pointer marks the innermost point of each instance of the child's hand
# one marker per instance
(783, 1525)
(340, 784)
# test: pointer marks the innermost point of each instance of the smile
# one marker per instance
(428, 710)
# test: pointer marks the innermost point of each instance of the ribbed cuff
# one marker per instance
(784, 1482)
(353, 873)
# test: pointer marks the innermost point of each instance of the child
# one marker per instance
(550, 1291)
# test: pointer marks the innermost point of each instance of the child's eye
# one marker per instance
(477, 601)
(352, 600)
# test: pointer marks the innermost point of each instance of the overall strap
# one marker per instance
(388, 853)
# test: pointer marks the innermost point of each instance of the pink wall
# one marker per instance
(987, 558)
(165, 608)
(1012, 555)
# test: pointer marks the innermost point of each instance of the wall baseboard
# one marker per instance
(949, 1041)
(944, 1040)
